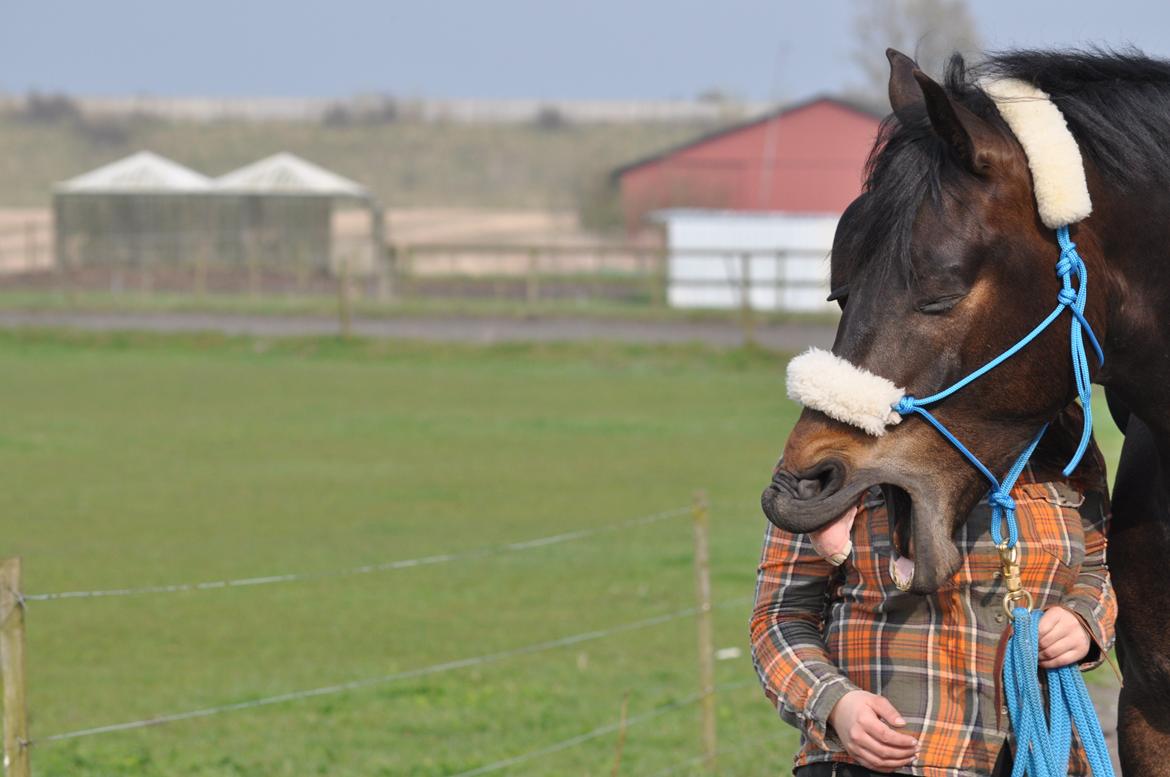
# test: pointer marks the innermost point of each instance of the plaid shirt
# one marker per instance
(820, 631)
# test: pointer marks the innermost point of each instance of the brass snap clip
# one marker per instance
(1016, 596)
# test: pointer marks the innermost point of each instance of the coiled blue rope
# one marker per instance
(1042, 746)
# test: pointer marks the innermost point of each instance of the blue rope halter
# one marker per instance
(1072, 299)
(1042, 746)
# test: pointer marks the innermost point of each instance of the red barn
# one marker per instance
(806, 158)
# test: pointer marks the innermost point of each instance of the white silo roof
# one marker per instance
(286, 173)
(143, 172)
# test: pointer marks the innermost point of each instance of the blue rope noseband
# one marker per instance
(1042, 746)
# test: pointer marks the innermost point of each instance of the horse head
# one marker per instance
(940, 265)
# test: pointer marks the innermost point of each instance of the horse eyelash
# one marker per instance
(939, 305)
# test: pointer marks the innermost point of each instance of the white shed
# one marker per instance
(784, 255)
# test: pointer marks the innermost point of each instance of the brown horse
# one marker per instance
(943, 263)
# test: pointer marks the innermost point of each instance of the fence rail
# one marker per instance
(192, 269)
(13, 603)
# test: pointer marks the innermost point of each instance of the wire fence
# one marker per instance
(410, 674)
(598, 732)
(366, 569)
(13, 604)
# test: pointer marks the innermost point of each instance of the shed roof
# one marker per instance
(286, 173)
(778, 113)
(143, 172)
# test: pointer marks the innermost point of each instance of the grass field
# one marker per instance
(140, 460)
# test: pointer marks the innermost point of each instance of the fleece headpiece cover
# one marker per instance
(1058, 171)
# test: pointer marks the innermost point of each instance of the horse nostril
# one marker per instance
(821, 481)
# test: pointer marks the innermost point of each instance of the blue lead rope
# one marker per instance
(1042, 746)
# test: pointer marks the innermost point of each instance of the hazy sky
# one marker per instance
(491, 48)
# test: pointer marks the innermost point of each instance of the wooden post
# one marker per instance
(379, 256)
(253, 276)
(30, 246)
(532, 278)
(201, 252)
(700, 513)
(344, 315)
(747, 319)
(403, 270)
(660, 276)
(16, 756)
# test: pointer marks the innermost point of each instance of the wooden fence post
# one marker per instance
(403, 268)
(16, 756)
(344, 314)
(747, 318)
(532, 278)
(660, 274)
(700, 513)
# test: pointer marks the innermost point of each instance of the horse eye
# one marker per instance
(940, 305)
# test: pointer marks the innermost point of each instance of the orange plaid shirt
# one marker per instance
(820, 631)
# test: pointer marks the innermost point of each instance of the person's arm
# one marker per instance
(788, 649)
(1091, 598)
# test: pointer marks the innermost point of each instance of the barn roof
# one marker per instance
(144, 172)
(855, 107)
(286, 173)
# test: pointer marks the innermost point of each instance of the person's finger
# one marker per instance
(1052, 618)
(1069, 643)
(873, 759)
(1047, 621)
(1057, 636)
(882, 733)
(874, 763)
(886, 711)
(1064, 659)
(883, 752)
(1055, 628)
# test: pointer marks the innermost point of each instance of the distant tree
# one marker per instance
(550, 119)
(599, 207)
(714, 94)
(384, 110)
(109, 132)
(50, 108)
(337, 115)
(927, 30)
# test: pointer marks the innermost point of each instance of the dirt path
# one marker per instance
(786, 337)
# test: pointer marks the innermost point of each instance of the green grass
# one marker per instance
(137, 460)
(146, 459)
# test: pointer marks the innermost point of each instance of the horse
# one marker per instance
(946, 260)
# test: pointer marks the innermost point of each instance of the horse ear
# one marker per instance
(904, 90)
(978, 145)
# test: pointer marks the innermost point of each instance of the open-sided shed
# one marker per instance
(146, 210)
(139, 210)
(280, 211)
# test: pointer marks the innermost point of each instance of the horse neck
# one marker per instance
(1130, 273)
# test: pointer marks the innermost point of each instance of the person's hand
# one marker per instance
(1063, 640)
(865, 724)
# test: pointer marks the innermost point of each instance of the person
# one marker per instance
(881, 681)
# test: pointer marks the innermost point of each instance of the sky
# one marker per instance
(545, 49)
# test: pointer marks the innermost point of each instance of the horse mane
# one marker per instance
(1116, 103)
